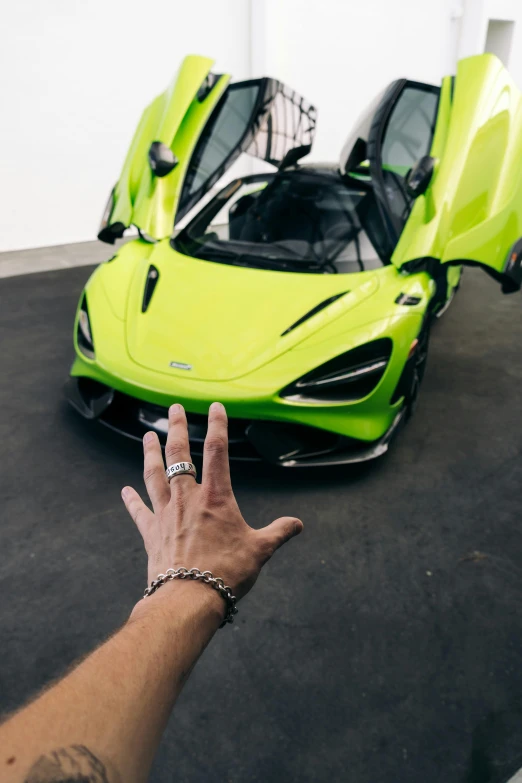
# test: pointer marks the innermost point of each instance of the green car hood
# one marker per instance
(250, 309)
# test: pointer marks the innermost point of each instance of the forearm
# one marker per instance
(102, 723)
(116, 703)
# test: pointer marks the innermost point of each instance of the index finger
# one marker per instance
(216, 467)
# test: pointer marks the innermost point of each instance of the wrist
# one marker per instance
(182, 596)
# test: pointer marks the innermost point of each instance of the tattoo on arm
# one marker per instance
(75, 764)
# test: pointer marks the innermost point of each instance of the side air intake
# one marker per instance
(313, 311)
(346, 378)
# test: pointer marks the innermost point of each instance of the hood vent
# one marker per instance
(150, 285)
(314, 311)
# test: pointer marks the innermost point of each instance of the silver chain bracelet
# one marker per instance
(205, 576)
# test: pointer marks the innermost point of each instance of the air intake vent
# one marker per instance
(150, 285)
(349, 377)
(313, 311)
(406, 299)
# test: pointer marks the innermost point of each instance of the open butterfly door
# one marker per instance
(468, 136)
(191, 134)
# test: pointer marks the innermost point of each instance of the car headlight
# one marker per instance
(84, 333)
(347, 378)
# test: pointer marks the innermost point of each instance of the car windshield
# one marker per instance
(303, 220)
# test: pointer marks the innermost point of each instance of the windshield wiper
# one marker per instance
(286, 264)
(211, 253)
(253, 261)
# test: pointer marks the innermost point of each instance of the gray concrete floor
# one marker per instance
(44, 259)
(373, 647)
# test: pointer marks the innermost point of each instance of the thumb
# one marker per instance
(279, 532)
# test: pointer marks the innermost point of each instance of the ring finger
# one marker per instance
(154, 472)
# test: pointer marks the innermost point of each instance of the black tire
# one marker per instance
(417, 369)
(445, 306)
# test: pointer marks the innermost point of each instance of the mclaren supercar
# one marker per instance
(302, 298)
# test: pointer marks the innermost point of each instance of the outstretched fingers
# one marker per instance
(137, 509)
(154, 472)
(216, 467)
(272, 537)
(177, 448)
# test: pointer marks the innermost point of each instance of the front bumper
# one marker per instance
(283, 443)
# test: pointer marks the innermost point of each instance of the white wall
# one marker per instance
(474, 30)
(339, 53)
(75, 76)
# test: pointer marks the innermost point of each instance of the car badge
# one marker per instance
(180, 366)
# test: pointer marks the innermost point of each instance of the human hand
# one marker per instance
(200, 525)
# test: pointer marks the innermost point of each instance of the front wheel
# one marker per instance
(416, 369)
(452, 278)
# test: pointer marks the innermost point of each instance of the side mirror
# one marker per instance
(419, 177)
(293, 155)
(161, 159)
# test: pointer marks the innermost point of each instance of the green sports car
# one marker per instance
(302, 297)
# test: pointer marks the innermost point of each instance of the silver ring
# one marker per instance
(180, 469)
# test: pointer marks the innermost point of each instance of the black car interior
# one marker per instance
(313, 219)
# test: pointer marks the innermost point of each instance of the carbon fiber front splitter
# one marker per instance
(285, 444)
